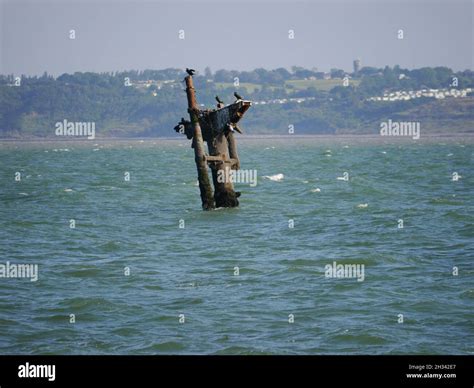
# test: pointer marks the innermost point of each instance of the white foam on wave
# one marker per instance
(316, 190)
(362, 205)
(275, 178)
(68, 190)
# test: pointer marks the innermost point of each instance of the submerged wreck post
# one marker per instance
(221, 164)
(198, 145)
(217, 128)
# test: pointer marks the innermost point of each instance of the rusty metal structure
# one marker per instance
(216, 127)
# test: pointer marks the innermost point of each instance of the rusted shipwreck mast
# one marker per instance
(216, 127)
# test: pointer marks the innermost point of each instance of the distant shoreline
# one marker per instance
(458, 135)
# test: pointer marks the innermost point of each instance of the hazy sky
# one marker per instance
(241, 35)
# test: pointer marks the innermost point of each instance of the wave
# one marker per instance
(275, 178)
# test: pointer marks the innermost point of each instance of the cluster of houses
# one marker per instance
(157, 84)
(298, 100)
(393, 96)
(433, 93)
(319, 75)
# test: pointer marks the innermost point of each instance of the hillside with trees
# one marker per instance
(149, 103)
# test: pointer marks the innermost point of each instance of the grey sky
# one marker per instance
(241, 35)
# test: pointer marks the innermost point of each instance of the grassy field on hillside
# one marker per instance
(320, 84)
(293, 85)
(249, 86)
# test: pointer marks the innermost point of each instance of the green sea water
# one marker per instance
(250, 280)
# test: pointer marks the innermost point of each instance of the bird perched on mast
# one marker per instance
(190, 71)
(238, 96)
